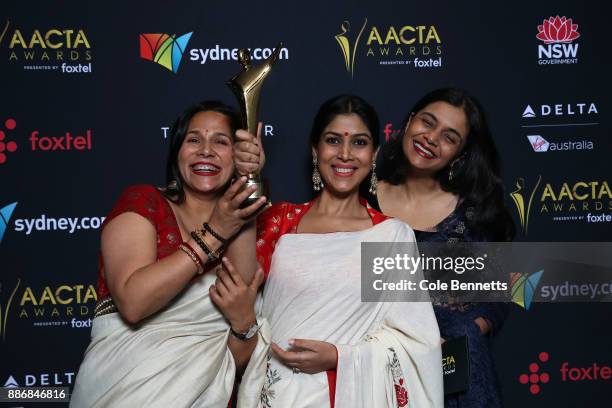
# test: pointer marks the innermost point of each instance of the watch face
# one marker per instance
(252, 330)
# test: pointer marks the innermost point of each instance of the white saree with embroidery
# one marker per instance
(388, 352)
(176, 358)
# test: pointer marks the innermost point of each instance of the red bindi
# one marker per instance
(346, 133)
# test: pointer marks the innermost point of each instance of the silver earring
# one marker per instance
(317, 183)
(373, 180)
(455, 166)
(172, 186)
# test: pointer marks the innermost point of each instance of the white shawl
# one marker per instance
(313, 291)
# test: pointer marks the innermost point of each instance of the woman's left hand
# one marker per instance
(308, 356)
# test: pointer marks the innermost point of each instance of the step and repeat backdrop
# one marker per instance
(90, 90)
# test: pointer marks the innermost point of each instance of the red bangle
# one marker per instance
(194, 252)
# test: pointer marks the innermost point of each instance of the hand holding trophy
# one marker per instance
(246, 85)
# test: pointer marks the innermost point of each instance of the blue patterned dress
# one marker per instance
(459, 321)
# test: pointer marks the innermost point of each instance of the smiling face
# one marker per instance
(435, 136)
(345, 152)
(205, 158)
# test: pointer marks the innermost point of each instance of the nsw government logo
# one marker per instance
(558, 35)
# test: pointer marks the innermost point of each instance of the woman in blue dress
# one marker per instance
(442, 178)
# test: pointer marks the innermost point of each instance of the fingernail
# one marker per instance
(224, 259)
(243, 178)
(291, 341)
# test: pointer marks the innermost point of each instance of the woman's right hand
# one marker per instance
(234, 297)
(227, 217)
(249, 156)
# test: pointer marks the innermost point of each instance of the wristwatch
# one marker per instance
(249, 333)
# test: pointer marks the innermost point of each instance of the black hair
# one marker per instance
(345, 105)
(476, 175)
(177, 135)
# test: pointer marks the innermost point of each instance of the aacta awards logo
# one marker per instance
(164, 49)
(417, 46)
(568, 201)
(65, 50)
(558, 35)
(62, 305)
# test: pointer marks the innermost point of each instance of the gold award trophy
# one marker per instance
(246, 85)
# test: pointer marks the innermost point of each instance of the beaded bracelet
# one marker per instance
(212, 232)
(194, 257)
(199, 239)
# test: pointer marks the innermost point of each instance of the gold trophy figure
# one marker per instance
(246, 85)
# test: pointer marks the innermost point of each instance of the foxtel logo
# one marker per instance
(541, 145)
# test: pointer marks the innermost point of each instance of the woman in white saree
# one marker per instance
(330, 348)
(167, 331)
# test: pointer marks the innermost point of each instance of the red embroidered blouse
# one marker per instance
(151, 204)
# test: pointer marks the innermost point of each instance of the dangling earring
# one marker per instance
(456, 162)
(317, 183)
(373, 180)
(172, 186)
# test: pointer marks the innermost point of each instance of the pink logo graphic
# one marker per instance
(557, 30)
(7, 147)
(533, 378)
(538, 143)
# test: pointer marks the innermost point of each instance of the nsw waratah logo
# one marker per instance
(164, 49)
(558, 34)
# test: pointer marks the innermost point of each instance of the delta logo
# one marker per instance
(409, 45)
(523, 287)
(67, 49)
(164, 49)
(41, 379)
(45, 141)
(557, 34)
(567, 201)
(560, 109)
(541, 145)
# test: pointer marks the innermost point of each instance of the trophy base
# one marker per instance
(261, 191)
